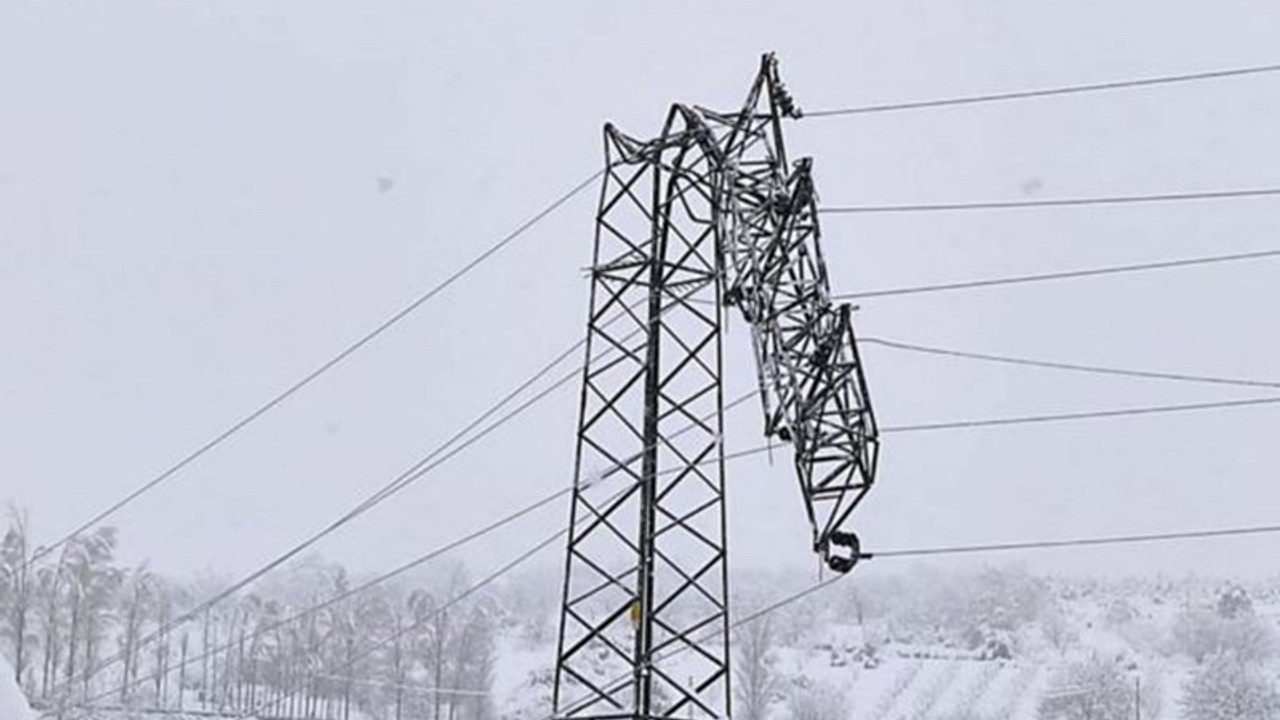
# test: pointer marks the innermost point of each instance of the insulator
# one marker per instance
(782, 203)
(784, 100)
(803, 194)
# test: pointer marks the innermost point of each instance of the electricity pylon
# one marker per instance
(706, 216)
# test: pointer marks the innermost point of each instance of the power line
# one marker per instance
(995, 421)
(475, 535)
(1047, 418)
(468, 592)
(1046, 92)
(1054, 202)
(415, 562)
(321, 370)
(1028, 545)
(402, 481)
(1003, 547)
(954, 550)
(997, 547)
(1062, 275)
(442, 453)
(1074, 367)
(1085, 415)
(421, 468)
(1082, 542)
(387, 491)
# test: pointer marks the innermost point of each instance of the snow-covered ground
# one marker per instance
(13, 705)
(917, 673)
(904, 663)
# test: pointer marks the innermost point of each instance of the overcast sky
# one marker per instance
(202, 201)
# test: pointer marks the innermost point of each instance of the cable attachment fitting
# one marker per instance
(842, 551)
(591, 478)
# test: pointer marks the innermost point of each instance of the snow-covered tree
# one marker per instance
(818, 701)
(1092, 689)
(1226, 688)
(1234, 602)
(17, 590)
(398, 659)
(137, 596)
(1201, 633)
(51, 591)
(1007, 598)
(472, 668)
(1058, 629)
(92, 584)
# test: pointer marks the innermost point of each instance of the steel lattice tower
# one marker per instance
(706, 216)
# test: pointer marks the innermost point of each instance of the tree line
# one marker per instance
(80, 628)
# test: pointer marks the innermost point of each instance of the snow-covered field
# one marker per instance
(889, 668)
(991, 646)
(897, 688)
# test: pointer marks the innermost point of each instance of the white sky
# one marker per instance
(191, 219)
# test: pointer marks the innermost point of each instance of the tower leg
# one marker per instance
(645, 616)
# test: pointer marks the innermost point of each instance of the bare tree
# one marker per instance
(90, 587)
(51, 590)
(162, 603)
(472, 666)
(136, 599)
(182, 670)
(430, 642)
(756, 681)
(98, 584)
(205, 652)
(16, 588)
(398, 661)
